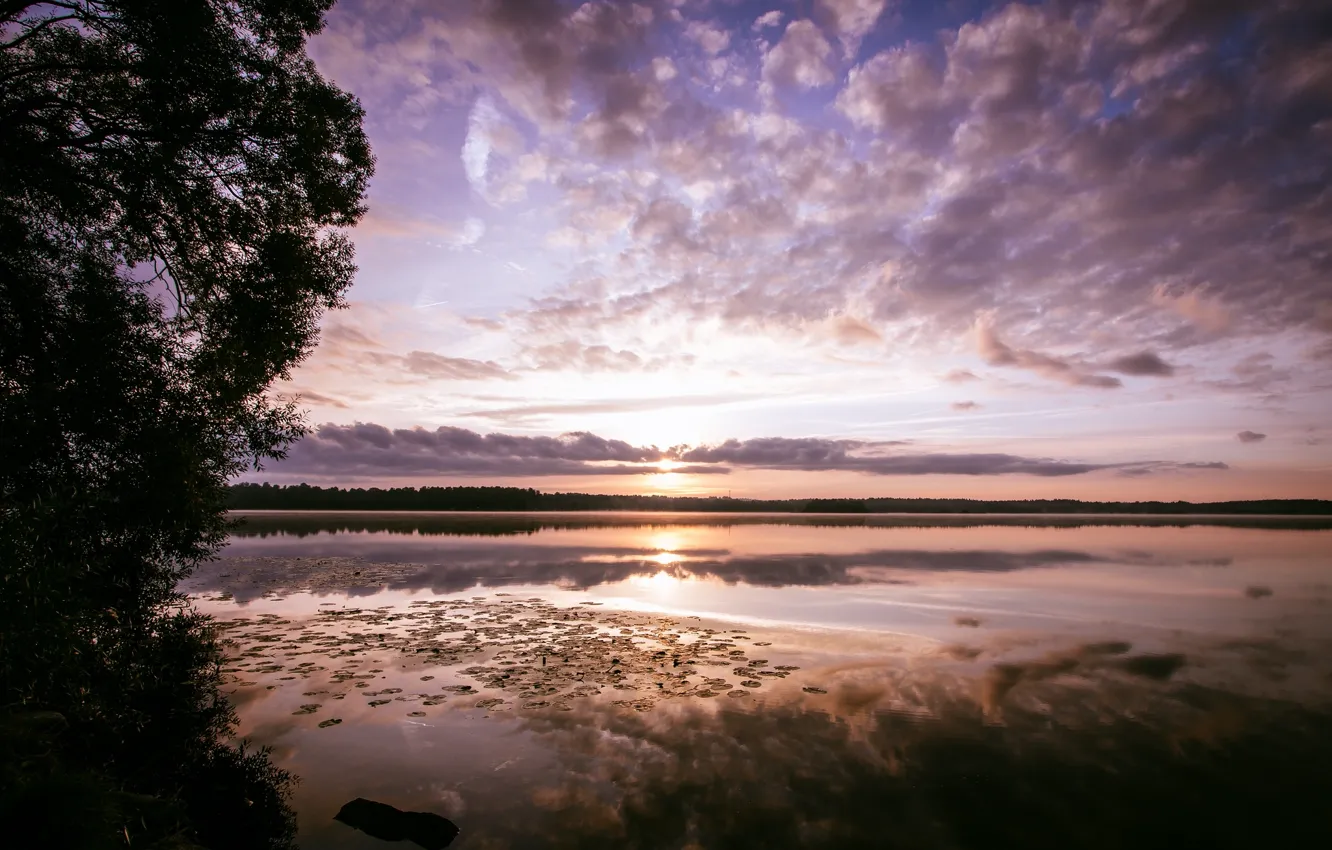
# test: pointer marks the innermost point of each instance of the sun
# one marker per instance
(665, 541)
(668, 465)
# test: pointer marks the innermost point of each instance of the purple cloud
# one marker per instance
(996, 353)
(1142, 363)
(814, 454)
(367, 450)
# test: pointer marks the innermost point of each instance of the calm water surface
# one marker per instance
(718, 681)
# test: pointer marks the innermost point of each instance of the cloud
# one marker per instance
(476, 149)
(633, 105)
(1142, 363)
(539, 409)
(1002, 678)
(472, 230)
(940, 183)
(851, 20)
(573, 566)
(571, 355)
(430, 365)
(337, 331)
(320, 398)
(814, 454)
(965, 405)
(389, 223)
(902, 88)
(540, 50)
(801, 58)
(367, 450)
(852, 331)
(1257, 372)
(1250, 437)
(1140, 470)
(1097, 178)
(1195, 305)
(710, 38)
(996, 353)
(370, 348)
(960, 376)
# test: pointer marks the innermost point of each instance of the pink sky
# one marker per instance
(840, 247)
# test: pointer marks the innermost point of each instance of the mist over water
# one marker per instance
(677, 680)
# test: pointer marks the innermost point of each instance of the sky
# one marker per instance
(834, 248)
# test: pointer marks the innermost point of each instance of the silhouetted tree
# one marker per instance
(173, 180)
(304, 497)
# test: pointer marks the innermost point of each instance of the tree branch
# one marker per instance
(33, 29)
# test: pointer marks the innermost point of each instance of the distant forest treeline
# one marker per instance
(303, 497)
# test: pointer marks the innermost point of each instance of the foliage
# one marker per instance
(248, 496)
(174, 178)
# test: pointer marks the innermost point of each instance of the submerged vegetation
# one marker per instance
(173, 178)
(307, 497)
(668, 729)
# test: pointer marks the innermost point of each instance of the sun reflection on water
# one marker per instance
(660, 580)
(665, 541)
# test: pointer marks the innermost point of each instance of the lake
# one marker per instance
(730, 681)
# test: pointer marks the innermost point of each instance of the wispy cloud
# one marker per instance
(996, 353)
(520, 412)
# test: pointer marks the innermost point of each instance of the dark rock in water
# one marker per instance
(1154, 666)
(380, 820)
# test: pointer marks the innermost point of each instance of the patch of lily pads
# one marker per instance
(526, 653)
